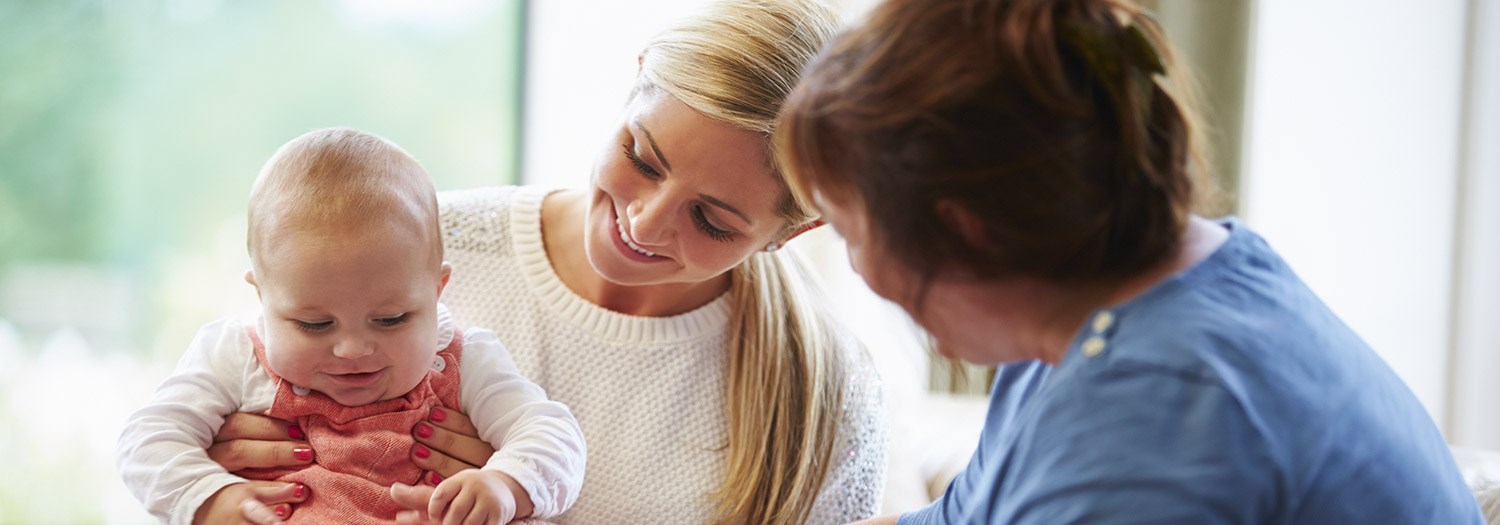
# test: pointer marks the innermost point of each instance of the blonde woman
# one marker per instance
(711, 385)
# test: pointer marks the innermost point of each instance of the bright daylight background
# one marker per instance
(1360, 137)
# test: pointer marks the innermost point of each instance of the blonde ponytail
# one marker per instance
(785, 393)
(736, 64)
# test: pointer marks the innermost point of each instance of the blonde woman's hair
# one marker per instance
(736, 64)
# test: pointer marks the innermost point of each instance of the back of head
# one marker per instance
(341, 182)
(1056, 123)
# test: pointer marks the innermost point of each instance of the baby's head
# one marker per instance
(347, 260)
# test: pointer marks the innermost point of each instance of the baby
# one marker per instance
(353, 347)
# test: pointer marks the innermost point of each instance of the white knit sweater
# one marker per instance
(647, 391)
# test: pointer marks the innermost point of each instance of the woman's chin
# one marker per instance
(599, 254)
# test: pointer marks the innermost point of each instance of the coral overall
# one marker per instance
(361, 450)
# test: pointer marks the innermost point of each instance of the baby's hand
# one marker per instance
(477, 496)
(471, 496)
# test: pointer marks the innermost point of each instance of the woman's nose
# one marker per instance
(650, 221)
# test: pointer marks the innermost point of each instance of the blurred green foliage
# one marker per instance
(124, 124)
(130, 130)
(58, 68)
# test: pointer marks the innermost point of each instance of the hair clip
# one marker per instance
(1143, 52)
(1103, 55)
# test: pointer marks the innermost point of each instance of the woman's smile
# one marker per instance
(627, 246)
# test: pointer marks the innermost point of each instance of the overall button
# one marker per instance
(1102, 321)
(1093, 346)
(300, 390)
(439, 364)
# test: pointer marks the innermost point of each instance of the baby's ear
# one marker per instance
(447, 270)
(250, 278)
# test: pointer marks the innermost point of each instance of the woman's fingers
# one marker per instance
(255, 441)
(448, 443)
(257, 427)
(443, 465)
(278, 492)
(430, 479)
(241, 454)
(258, 513)
(273, 501)
(452, 420)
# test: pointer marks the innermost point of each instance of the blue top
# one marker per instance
(1226, 394)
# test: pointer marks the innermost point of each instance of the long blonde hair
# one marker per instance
(736, 64)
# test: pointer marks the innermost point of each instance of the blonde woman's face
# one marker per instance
(678, 197)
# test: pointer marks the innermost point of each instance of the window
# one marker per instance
(130, 133)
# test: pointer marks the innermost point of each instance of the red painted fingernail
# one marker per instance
(281, 511)
(423, 430)
(302, 454)
(300, 491)
(438, 415)
(436, 478)
(422, 452)
(295, 432)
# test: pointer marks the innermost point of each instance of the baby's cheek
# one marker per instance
(291, 361)
(419, 357)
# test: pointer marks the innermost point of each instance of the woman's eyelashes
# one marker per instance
(700, 218)
(640, 165)
(714, 232)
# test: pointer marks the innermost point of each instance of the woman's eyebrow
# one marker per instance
(636, 123)
(726, 207)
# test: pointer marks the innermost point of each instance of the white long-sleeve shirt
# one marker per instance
(648, 391)
(162, 450)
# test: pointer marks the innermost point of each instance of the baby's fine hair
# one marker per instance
(342, 181)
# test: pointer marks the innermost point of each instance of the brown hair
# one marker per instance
(736, 64)
(1053, 122)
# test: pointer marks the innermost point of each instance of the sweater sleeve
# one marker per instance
(537, 441)
(856, 479)
(162, 452)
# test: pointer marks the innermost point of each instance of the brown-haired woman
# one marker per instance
(1018, 175)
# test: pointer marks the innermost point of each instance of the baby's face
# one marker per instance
(354, 318)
